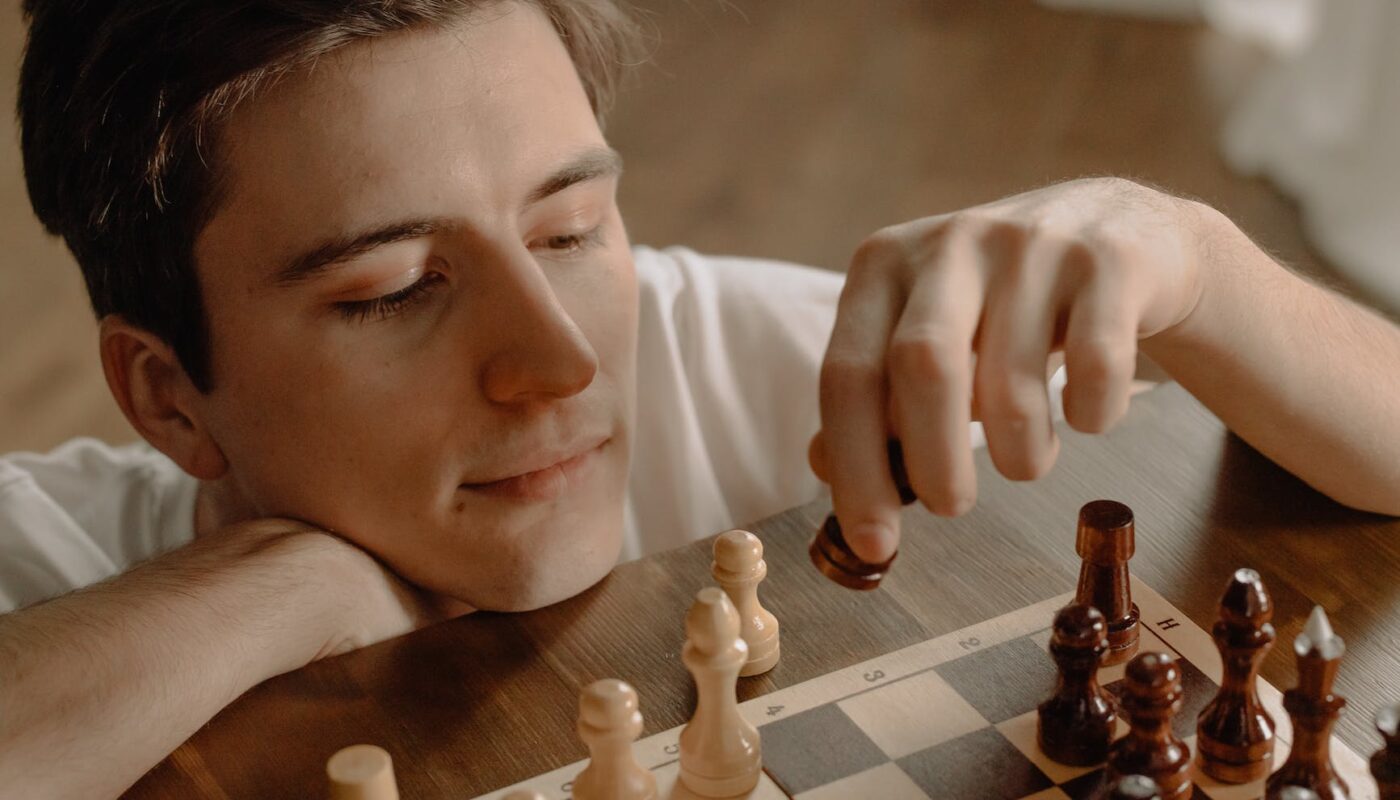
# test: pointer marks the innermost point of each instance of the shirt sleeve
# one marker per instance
(83, 513)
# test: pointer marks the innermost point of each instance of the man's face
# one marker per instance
(423, 310)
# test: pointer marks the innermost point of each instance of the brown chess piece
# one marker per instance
(1313, 708)
(1134, 787)
(1151, 696)
(834, 558)
(1385, 764)
(1105, 541)
(1075, 726)
(1234, 734)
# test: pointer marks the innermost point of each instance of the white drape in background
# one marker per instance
(1324, 124)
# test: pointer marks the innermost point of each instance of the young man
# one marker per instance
(365, 290)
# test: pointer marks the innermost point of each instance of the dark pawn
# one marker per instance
(1075, 726)
(1134, 787)
(1385, 764)
(1105, 541)
(1234, 734)
(1313, 708)
(835, 559)
(1151, 696)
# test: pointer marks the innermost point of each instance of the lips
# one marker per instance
(545, 477)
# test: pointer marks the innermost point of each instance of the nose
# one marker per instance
(543, 354)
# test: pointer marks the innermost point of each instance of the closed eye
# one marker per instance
(388, 305)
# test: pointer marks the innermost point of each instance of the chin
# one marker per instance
(541, 570)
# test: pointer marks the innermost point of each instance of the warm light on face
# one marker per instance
(423, 310)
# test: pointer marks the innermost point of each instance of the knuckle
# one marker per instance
(842, 373)
(876, 252)
(928, 354)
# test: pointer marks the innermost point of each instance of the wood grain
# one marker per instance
(489, 699)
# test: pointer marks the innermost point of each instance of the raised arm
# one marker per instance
(954, 317)
(1308, 377)
(97, 686)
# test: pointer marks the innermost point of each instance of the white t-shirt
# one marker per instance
(727, 362)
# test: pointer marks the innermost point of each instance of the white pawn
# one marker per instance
(525, 794)
(720, 753)
(362, 772)
(739, 568)
(609, 722)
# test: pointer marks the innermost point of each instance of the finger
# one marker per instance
(853, 402)
(1016, 336)
(930, 369)
(1100, 355)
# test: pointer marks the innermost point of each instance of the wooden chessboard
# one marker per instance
(953, 718)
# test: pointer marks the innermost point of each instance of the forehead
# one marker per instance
(412, 122)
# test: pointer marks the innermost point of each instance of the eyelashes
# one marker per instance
(397, 302)
(390, 304)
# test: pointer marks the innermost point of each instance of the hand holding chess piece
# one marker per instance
(1075, 726)
(1151, 696)
(720, 751)
(609, 721)
(1234, 734)
(739, 568)
(362, 772)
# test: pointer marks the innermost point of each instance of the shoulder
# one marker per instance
(678, 270)
(85, 511)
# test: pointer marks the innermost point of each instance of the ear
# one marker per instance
(158, 397)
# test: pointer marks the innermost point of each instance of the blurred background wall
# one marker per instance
(788, 129)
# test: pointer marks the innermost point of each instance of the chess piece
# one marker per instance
(609, 722)
(1291, 793)
(739, 568)
(834, 558)
(524, 794)
(1075, 726)
(720, 751)
(1151, 696)
(1313, 708)
(1105, 541)
(1134, 787)
(1385, 764)
(1234, 734)
(362, 772)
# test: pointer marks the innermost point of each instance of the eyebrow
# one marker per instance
(591, 164)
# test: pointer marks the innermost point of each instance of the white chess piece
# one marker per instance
(609, 722)
(720, 753)
(362, 772)
(739, 568)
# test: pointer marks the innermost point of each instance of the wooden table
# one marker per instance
(481, 702)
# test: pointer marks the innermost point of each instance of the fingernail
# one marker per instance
(872, 542)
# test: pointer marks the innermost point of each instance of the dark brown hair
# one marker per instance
(120, 104)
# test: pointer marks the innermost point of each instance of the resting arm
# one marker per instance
(97, 686)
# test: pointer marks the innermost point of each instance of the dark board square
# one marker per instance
(815, 748)
(1197, 690)
(1088, 786)
(1092, 785)
(982, 765)
(1003, 681)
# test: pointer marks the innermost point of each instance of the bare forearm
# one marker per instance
(99, 685)
(1306, 376)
